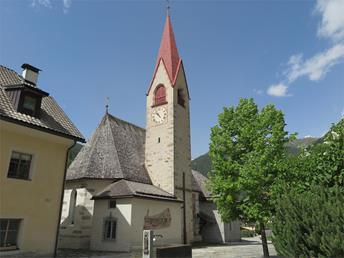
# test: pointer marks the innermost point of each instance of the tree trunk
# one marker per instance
(264, 241)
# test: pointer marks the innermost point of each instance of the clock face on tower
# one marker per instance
(159, 115)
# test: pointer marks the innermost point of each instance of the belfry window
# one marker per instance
(160, 95)
(181, 100)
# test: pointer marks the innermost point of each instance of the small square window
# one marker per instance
(19, 165)
(110, 226)
(9, 229)
(112, 204)
(29, 105)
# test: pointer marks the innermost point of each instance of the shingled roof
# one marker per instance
(115, 151)
(52, 119)
(124, 188)
(199, 182)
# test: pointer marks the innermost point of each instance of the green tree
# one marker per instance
(247, 151)
(310, 223)
(320, 164)
(310, 200)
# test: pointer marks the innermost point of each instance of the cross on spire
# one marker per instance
(107, 104)
(168, 7)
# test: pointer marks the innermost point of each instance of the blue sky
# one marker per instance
(289, 53)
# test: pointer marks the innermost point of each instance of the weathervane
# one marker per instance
(168, 7)
(107, 104)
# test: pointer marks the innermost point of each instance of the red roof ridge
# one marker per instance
(168, 53)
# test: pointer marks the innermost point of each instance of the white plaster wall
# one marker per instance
(123, 214)
(78, 235)
(129, 214)
(171, 234)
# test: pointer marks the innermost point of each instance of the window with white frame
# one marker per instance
(110, 225)
(20, 164)
(9, 229)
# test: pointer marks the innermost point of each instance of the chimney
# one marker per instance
(30, 73)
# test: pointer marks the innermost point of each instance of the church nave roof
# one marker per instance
(115, 151)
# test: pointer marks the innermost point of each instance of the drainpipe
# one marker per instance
(184, 212)
(61, 202)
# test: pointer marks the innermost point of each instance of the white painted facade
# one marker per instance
(77, 234)
(129, 214)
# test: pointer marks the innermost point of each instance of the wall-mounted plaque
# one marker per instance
(157, 221)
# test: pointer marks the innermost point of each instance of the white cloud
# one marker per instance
(258, 92)
(278, 90)
(332, 22)
(308, 136)
(316, 67)
(66, 5)
(48, 4)
(44, 3)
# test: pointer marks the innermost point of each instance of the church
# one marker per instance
(126, 179)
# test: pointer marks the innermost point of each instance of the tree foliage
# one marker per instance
(320, 164)
(246, 150)
(310, 223)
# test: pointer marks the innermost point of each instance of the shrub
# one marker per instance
(310, 224)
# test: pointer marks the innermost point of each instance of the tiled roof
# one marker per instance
(52, 118)
(125, 188)
(115, 151)
(199, 182)
(9, 77)
(168, 51)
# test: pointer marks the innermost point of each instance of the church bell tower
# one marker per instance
(167, 150)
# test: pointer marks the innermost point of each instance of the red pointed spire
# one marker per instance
(168, 51)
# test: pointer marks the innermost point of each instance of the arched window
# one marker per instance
(160, 95)
(72, 205)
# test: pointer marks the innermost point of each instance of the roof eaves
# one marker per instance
(37, 127)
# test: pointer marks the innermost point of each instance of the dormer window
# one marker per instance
(160, 95)
(181, 99)
(30, 104)
(26, 97)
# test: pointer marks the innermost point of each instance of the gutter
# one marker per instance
(40, 128)
(61, 200)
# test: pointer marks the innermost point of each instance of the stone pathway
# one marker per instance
(247, 248)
